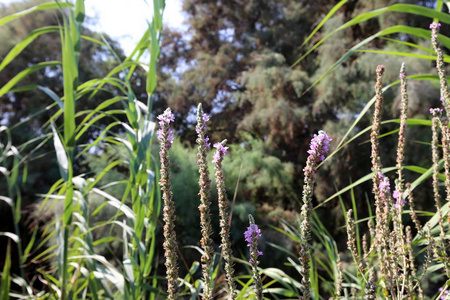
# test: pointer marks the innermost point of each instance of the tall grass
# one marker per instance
(81, 272)
(382, 261)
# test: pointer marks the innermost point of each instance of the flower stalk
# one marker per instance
(165, 137)
(318, 148)
(252, 236)
(204, 207)
(224, 217)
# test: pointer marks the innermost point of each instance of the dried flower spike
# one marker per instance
(224, 217)
(445, 95)
(165, 137)
(205, 195)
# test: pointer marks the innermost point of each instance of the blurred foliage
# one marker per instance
(259, 174)
(17, 107)
(236, 59)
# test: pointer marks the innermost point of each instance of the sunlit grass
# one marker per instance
(89, 220)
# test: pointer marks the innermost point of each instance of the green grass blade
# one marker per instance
(8, 86)
(52, 95)
(329, 15)
(405, 8)
(61, 155)
(356, 183)
(5, 285)
(43, 6)
(404, 54)
(19, 47)
(394, 29)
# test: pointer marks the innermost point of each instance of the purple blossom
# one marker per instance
(400, 198)
(319, 145)
(401, 75)
(160, 134)
(220, 152)
(435, 111)
(444, 294)
(200, 128)
(165, 134)
(396, 194)
(206, 141)
(252, 234)
(435, 25)
(166, 117)
(384, 187)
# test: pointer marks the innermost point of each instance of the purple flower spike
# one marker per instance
(384, 187)
(165, 134)
(319, 146)
(166, 117)
(435, 25)
(436, 111)
(252, 234)
(220, 152)
(401, 201)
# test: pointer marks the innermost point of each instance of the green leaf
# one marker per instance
(18, 48)
(8, 86)
(351, 186)
(394, 29)
(61, 155)
(52, 95)
(405, 8)
(5, 286)
(43, 6)
(404, 54)
(154, 52)
(79, 11)
(329, 15)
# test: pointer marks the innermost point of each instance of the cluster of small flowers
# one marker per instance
(436, 111)
(252, 236)
(384, 186)
(444, 293)
(400, 198)
(220, 152)
(435, 25)
(165, 134)
(201, 127)
(319, 145)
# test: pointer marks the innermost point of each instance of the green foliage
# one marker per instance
(101, 213)
(259, 175)
(77, 227)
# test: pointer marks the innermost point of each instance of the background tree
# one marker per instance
(237, 58)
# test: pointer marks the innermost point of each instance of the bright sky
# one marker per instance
(126, 20)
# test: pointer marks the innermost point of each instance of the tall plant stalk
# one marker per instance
(205, 202)
(70, 41)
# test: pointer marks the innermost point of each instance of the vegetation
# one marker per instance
(93, 212)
